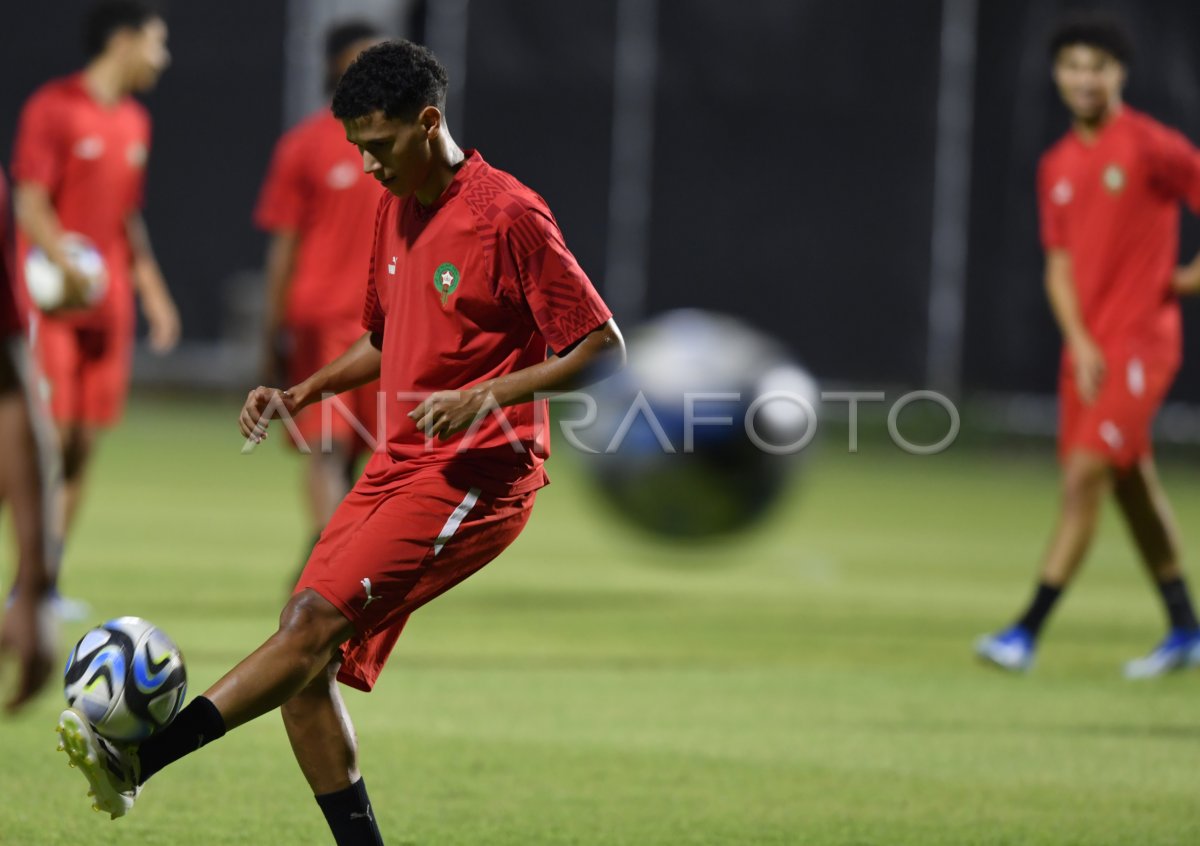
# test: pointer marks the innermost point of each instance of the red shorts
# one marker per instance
(1117, 425)
(385, 553)
(86, 369)
(348, 419)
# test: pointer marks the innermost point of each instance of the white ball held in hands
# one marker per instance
(44, 279)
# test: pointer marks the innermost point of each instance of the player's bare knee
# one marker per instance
(314, 625)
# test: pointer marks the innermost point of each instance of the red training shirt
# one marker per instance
(91, 159)
(473, 287)
(1113, 205)
(316, 189)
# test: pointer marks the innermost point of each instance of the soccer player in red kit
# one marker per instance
(26, 444)
(319, 207)
(1109, 194)
(470, 282)
(78, 167)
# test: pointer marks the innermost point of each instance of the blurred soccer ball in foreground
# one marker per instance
(44, 280)
(127, 677)
(703, 430)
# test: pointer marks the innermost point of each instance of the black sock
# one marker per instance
(349, 815)
(1179, 604)
(1039, 608)
(198, 724)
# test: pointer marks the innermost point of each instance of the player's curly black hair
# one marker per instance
(107, 17)
(397, 77)
(1093, 29)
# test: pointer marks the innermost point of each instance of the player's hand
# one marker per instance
(446, 413)
(163, 320)
(261, 405)
(1185, 281)
(29, 635)
(77, 290)
(1089, 368)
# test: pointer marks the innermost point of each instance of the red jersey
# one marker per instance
(10, 315)
(316, 189)
(474, 287)
(1113, 205)
(91, 158)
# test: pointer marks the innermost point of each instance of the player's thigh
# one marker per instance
(381, 581)
(384, 554)
(58, 356)
(107, 364)
(1118, 424)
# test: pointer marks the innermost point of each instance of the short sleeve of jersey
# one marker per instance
(280, 203)
(562, 300)
(1175, 166)
(38, 153)
(373, 317)
(1050, 214)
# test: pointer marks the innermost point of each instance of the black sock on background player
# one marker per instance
(1039, 608)
(1178, 604)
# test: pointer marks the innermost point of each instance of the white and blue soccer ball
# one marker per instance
(127, 678)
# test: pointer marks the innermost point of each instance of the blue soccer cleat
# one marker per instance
(1179, 649)
(1011, 649)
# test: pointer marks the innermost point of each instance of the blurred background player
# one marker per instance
(78, 166)
(26, 448)
(1109, 194)
(319, 207)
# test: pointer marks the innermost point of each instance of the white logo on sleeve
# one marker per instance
(366, 583)
(392, 267)
(1062, 192)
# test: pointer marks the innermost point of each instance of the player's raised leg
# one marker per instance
(1144, 504)
(1086, 480)
(310, 631)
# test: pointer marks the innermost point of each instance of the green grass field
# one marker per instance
(809, 684)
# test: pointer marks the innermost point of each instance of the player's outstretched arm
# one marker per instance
(600, 354)
(357, 366)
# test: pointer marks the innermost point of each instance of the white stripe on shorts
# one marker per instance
(455, 519)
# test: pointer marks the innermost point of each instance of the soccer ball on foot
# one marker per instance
(127, 677)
